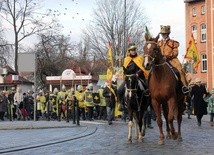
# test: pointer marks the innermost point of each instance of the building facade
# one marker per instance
(199, 17)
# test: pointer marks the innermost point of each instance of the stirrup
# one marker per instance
(185, 90)
(120, 107)
(146, 92)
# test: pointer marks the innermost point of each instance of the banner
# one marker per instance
(109, 64)
(192, 53)
(96, 98)
(88, 97)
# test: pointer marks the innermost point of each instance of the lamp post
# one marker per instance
(35, 85)
(124, 29)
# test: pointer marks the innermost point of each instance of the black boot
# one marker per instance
(185, 90)
(120, 107)
(146, 92)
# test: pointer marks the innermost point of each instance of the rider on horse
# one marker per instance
(133, 65)
(169, 48)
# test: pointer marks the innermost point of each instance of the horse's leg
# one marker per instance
(130, 125)
(140, 125)
(135, 121)
(165, 114)
(143, 125)
(181, 108)
(172, 110)
(157, 109)
(179, 120)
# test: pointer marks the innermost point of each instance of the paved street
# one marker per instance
(96, 137)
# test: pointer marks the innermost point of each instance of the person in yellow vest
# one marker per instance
(89, 102)
(103, 111)
(61, 103)
(69, 100)
(80, 96)
(133, 64)
(40, 100)
(109, 93)
(169, 48)
(53, 99)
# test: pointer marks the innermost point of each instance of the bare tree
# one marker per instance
(5, 49)
(22, 15)
(53, 54)
(108, 26)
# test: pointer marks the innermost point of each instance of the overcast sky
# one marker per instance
(160, 12)
(75, 14)
(167, 12)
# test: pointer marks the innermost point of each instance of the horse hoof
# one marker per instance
(175, 136)
(168, 136)
(130, 141)
(140, 140)
(144, 133)
(180, 139)
(161, 142)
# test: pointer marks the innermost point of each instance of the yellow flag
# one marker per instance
(110, 64)
(192, 53)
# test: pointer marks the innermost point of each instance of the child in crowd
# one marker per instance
(210, 101)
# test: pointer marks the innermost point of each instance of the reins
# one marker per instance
(130, 89)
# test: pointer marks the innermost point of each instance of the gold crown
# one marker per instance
(164, 29)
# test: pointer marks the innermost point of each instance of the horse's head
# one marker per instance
(131, 84)
(152, 52)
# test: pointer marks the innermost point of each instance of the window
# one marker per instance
(203, 10)
(194, 32)
(203, 33)
(204, 63)
(194, 12)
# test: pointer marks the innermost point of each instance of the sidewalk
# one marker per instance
(42, 124)
(14, 125)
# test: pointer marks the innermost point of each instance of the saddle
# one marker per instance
(141, 84)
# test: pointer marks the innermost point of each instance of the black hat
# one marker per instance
(131, 46)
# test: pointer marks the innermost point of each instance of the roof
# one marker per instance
(15, 79)
(10, 70)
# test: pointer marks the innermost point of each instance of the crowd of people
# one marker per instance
(57, 105)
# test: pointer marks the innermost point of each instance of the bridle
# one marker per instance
(164, 62)
(132, 92)
(154, 57)
(130, 81)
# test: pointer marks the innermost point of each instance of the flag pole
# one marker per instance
(124, 29)
(80, 76)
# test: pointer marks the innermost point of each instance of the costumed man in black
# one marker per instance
(198, 93)
(133, 64)
(109, 93)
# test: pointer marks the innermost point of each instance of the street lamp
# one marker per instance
(35, 86)
(124, 29)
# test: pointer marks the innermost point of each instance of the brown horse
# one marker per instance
(165, 89)
(136, 104)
